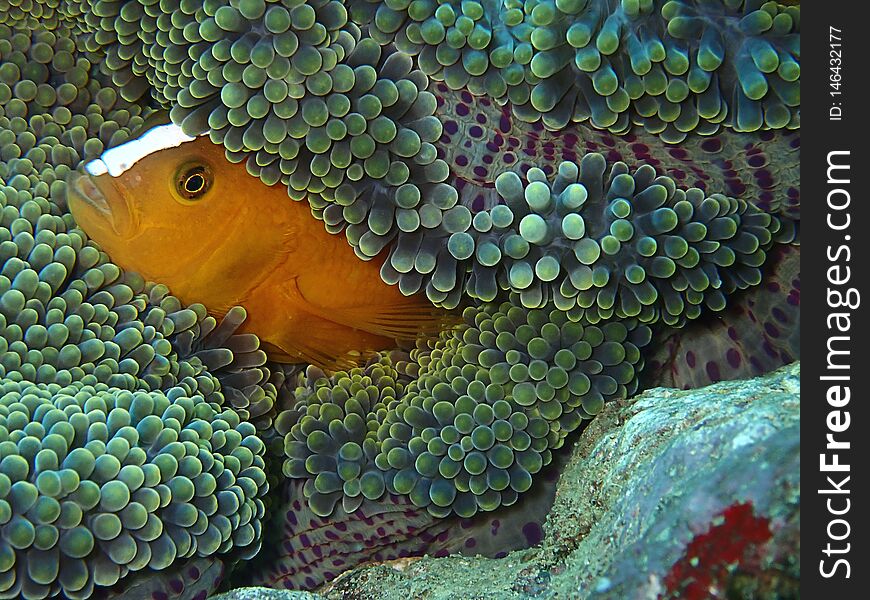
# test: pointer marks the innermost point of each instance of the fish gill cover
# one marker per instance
(139, 436)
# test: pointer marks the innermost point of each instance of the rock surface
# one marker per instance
(672, 494)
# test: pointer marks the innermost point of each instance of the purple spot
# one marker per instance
(160, 596)
(690, 359)
(451, 127)
(534, 533)
(756, 364)
(771, 330)
(470, 543)
(678, 153)
(480, 171)
(504, 124)
(480, 118)
(462, 160)
(736, 187)
(757, 161)
(462, 110)
(733, 358)
(475, 131)
(176, 585)
(201, 595)
(713, 372)
(193, 573)
(711, 145)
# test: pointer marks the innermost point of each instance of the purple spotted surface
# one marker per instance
(193, 579)
(481, 139)
(311, 550)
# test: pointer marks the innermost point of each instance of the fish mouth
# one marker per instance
(98, 205)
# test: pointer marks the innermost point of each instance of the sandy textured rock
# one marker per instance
(672, 494)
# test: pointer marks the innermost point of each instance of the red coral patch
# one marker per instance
(730, 544)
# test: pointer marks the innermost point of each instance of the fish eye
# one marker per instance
(193, 182)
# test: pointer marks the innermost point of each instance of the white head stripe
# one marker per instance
(120, 158)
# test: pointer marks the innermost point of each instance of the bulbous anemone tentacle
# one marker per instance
(672, 66)
(598, 242)
(124, 413)
(487, 405)
(97, 483)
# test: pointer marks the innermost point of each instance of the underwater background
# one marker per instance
(604, 194)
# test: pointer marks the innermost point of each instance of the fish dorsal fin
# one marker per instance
(406, 319)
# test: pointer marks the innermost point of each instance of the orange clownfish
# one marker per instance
(174, 209)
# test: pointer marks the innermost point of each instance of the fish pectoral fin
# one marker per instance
(403, 320)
